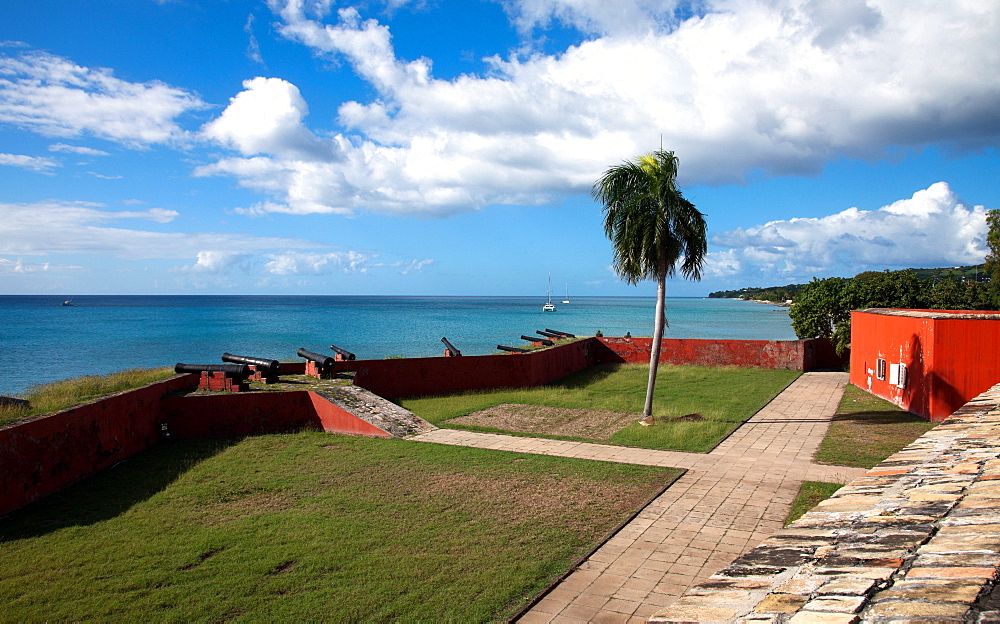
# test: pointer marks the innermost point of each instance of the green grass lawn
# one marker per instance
(724, 397)
(311, 527)
(867, 429)
(811, 493)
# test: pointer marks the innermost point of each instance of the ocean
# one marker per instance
(42, 341)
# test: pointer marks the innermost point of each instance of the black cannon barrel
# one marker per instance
(511, 349)
(238, 371)
(451, 347)
(547, 343)
(322, 360)
(264, 365)
(549, 334)
(561, 333)
(344, 352)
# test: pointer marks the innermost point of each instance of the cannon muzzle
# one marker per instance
(347, 355)
(549, 334)
(323, 360)
(265, 366)
(235, 371)
(561, 333)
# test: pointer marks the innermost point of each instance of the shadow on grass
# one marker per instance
(112, 491)
(880, 417)
(586, 377)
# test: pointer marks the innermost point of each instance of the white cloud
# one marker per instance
(253, 47)
(932, 228)
(300, 263)
(266, 118)
(217, 262)
(51, 95)
(80, 228)
(84, 228)
(34, 163)
(76, 149)
(778, 87)
(596, 16)
(19, 266)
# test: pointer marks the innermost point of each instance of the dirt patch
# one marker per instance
(538, 419)
(580, 423)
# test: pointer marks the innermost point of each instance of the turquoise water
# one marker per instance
(42, 341)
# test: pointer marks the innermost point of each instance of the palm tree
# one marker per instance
(652, 228)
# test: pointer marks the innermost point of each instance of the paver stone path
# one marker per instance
(727, 502)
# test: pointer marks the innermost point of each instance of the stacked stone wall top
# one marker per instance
(916, 537)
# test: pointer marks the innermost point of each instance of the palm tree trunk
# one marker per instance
(654, 352)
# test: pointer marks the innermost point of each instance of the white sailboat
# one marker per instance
(549, 307)
(566, 300)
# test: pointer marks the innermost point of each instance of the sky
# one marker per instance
(449, 147)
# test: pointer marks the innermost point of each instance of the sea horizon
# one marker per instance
(43, 341)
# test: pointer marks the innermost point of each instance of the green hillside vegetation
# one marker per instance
(823, 307)
(781, 294)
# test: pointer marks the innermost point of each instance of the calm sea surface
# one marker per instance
(41, 341)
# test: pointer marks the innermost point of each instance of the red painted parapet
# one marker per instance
(257, 413)
(411, 377)
(47, 453)
(219, 382)
(768, 354)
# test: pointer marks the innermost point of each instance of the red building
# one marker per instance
(929, 362)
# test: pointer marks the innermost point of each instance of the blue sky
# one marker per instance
(448, 147)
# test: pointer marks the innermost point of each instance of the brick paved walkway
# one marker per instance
(729, 501)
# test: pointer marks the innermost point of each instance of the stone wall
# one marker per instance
(915, 539)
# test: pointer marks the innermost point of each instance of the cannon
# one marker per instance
(233, 371)
(343, 354)
(542, 341)
(266, 367)
(449, 349)
(511, 349)
(324, 361)
(561, 333)
(549, 334)
(227, 377)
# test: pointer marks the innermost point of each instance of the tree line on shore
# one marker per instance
(823, 307)
(789, 292)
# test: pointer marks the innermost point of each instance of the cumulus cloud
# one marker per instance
(778, 88)
(34, 163)
(266, 118)
(598, 16)
(300, 263)
(932, 228)
(55, 97)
